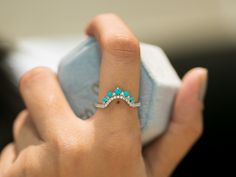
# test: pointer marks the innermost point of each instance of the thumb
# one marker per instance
(185, 127)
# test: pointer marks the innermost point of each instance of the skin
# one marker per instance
(51, 141)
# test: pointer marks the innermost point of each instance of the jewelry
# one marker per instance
(118, 94)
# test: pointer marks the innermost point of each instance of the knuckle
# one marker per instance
(195, 131)
(198, 130)
(66, 144)
(6, 149)
(67, 150)
(70, 149)
(33, 75)
(121, 45)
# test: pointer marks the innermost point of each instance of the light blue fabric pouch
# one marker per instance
(79, 74)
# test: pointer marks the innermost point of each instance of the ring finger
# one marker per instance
(120, 67)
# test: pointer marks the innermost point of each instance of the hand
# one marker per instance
(51, 141)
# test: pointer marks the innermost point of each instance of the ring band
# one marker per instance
(118, 94)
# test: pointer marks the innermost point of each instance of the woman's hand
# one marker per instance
(51, 141)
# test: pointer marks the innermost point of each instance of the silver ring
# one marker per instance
(118, 94)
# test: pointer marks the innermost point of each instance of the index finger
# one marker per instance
(45, 101)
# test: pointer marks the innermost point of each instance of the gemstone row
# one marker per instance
(117, 93)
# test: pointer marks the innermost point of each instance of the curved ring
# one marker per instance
(118, 94)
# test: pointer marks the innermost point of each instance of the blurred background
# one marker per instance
(172, 24)
(192, 33)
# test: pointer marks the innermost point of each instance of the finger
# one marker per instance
(25, 133)
(185, 127)
(45, 101)
(31, 162)
(120, 67)
(7, 158)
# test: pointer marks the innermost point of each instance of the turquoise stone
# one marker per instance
(104, 100)
(131, 99)
(117, 91)
(126, 93)
(109, 94)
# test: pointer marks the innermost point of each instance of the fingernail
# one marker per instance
(204, 80)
